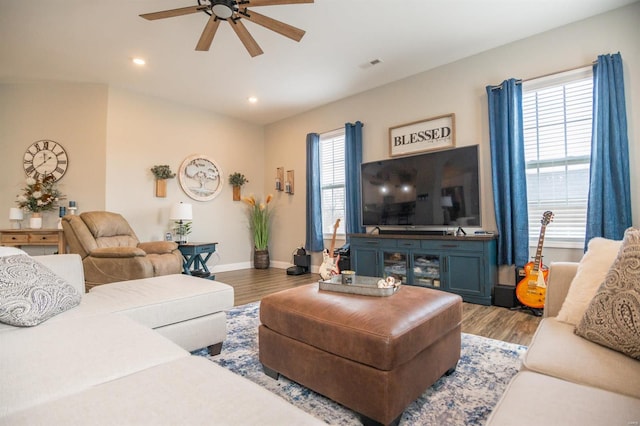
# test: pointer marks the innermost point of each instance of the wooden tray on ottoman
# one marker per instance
(366, 286)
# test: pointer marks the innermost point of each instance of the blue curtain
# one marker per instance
(314, 241)
(609, 205)
(353, 159)
(508, 172)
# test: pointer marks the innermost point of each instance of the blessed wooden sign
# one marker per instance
(426, 135)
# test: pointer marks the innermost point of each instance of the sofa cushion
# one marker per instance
(31, 293)
(592, 271)
(164, 300)
(536, 399)
(60, 358)
(613, 316)
(187, 391)
(556, 351)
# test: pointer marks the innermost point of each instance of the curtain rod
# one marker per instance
(520, 81)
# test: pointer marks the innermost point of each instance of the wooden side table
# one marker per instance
(34, 237)
(193, 260)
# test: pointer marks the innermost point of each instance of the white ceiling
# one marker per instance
(94, 41)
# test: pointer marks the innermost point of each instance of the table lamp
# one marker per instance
(15, 216)
(181, 212)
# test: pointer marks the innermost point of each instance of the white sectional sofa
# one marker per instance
(122, 357)
(566, 379)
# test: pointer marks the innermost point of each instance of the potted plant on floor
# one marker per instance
(237, 180)
(259, 218)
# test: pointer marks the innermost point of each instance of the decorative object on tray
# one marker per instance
(162, 173)
(237, 179)
(40, 195)
(348, 277)
(200, 177)
(424, 135)
(259, 221)
(366, 286)
(389, 282)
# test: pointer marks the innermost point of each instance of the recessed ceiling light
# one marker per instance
(139, 61)
(252, 99)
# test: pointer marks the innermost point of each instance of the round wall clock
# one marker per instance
(44, 158)
(200, 177)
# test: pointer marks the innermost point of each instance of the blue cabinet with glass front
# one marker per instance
(193, 263)
(463, 265)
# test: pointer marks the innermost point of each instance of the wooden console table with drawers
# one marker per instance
(33, 237)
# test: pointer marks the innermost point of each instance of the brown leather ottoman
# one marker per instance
(374, 355)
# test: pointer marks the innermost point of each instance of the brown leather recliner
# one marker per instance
(111, 251)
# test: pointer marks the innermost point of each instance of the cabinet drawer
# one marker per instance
(409, 244)
(15, 238)
(453, 245)
(43, 238)
(373, 243)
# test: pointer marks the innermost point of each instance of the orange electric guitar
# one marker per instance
(329, 265)
(532, 289)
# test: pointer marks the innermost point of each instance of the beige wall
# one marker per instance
(144, 131)
(459, 88)
(73, 115)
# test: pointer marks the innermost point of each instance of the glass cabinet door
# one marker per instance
(395, 265)
(426, 270)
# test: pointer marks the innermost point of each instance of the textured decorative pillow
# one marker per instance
(613, 316)
(31, 293)
(592, 271)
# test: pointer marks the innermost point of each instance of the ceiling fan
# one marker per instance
(233, 11)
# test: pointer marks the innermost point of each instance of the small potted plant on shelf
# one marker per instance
(162, 173)
(237, 179)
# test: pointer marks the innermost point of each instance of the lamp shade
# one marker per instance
(15, 214)
(181, 211)
(446, 201)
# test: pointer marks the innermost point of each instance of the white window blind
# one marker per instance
(557, 115)
(332, 178)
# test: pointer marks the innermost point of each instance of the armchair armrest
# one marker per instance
(158, 247)
(560, 276)
(117, 252)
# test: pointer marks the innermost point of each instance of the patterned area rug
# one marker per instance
(464, 398)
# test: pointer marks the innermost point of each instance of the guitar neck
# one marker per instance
(538, 259)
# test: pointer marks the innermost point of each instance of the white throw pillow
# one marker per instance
(31, 293)
(593, 268)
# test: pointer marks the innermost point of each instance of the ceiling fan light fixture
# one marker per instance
(223, 9)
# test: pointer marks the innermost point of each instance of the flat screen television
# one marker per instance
(434, 189)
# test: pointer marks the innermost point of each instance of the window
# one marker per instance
(332, 178)
(557, 115)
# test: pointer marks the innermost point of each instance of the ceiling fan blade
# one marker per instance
(173, 12)
(249, 42)
(249, 3)
(274, 25)
(207, 34)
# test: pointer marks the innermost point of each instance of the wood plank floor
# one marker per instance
(251, 285)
